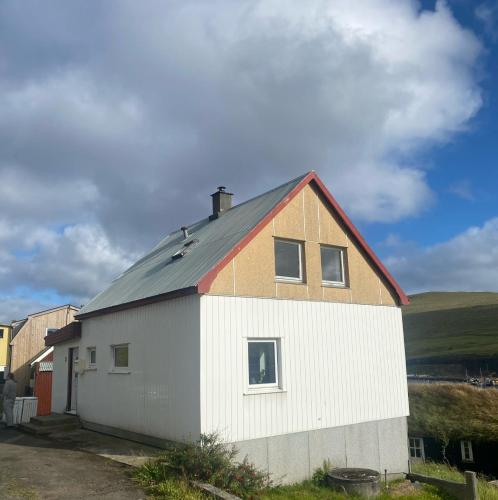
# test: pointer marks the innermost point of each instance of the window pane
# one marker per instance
(121, 357)
(93, 356)
(287, 263)
(1, 333)
(262, 363)
(332, 264)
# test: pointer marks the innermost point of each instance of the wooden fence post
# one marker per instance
(471, 483)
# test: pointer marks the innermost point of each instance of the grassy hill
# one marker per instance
(459, 328)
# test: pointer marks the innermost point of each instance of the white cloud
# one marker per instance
(462, 189)
(487, 14)
(75, 264)
(123, 116)
(467, 262)
(14, 307)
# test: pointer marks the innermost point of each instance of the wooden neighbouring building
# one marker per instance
(28, 342)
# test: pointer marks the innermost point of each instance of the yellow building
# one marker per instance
(5, 334)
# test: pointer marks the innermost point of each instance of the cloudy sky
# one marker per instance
(119, 118)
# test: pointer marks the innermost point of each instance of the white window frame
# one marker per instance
(50, 328)
(419, 445)
(119, 369)
(290, 279)
(89, 351)
(462, 449)
(273, 385)
(342, 283)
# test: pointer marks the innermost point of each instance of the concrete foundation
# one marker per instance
(379, 445)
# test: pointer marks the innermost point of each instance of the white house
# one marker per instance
(271, 322)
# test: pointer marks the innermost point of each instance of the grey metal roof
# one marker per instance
(157, 273)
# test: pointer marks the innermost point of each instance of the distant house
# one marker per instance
(5, 332)
(454, 423)
(271, 322)
(28, 342)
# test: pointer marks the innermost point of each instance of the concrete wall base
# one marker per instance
(124, 434)
(380, 445)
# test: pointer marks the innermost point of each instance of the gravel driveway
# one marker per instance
(35, 468)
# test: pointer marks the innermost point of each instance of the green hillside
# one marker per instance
(451, 327)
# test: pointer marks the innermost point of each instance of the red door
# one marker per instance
(43, 385)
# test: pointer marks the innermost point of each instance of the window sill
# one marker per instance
(289, 280)
(91, 369)
(264, 390)
(119, 372)
(327, 284)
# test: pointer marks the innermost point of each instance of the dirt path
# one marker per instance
(36, 469)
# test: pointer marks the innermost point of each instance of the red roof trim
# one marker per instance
(359, 238)
(206, 281)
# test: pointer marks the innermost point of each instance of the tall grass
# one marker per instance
(453, 411)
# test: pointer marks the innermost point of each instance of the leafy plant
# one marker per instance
(207, 460)
(320, 474)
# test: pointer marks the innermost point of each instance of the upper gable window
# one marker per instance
(288, 260)
(333, 259)
(1, 333)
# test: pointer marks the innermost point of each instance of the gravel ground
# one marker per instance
(36, 468)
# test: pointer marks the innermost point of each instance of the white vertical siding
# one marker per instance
(341, 364)
(160, 395)
(60, 375)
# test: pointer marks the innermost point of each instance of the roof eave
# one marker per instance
(182, 292)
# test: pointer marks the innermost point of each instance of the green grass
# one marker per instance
(451, 325)
(159, 485)
(486, 491)
(175, 488)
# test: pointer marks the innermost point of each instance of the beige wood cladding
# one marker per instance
(306, 218)
(30, 341)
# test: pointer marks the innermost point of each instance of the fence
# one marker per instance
(24, 409)
(461, 491)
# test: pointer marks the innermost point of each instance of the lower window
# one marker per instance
(263, 363)
(92, 357)
(120, 356)
(416, 448)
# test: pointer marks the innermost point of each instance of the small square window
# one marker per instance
(333, 265)
(92, 357)
(289, 260)
(263, 363)
(120, 356)
(50, 331)
(417, 448)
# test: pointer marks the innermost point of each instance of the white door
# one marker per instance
(73, 380)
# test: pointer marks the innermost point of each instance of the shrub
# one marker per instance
(320, 473)
(208, 460)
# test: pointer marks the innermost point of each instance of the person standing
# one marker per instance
(9, 398)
